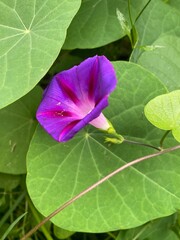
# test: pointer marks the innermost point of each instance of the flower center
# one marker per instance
(84, 108)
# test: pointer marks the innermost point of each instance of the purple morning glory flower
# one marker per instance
(76, 97)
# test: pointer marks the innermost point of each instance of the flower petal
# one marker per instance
(76, 97)
(54, 123)
(68, 132)
(91, 80)
(97, 77)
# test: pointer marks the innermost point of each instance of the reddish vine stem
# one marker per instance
(142, 144)
(66, 204)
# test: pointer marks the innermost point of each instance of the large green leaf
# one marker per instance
(96, 23)
(174, 3)
(164, 112)
(164, 60)
(62, 233)
(57, 172)
(9, 182)
(157, 20)
(32, 34)
(16, 129)
(154, 230)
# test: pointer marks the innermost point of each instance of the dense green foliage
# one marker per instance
(37, 174)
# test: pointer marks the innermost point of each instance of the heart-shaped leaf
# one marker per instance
(155, 230)
(96, 23)
(32, 34)
(157, 20)
(175, 4)
(17, 126)
(164, 60)
(164, 112)
(57, 172)
(9, 182)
